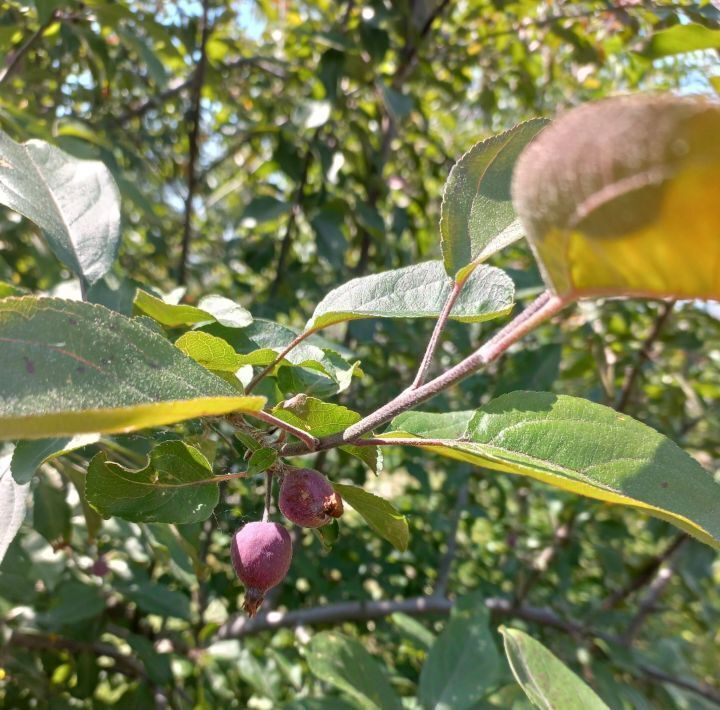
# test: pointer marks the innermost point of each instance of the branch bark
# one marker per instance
(193, 140)
(13, 60)
(436, 334)
(544, 307)
(643, 356)
(292, 219)
(445, 567)
(126, 665)
(645, 575)
(242, 626)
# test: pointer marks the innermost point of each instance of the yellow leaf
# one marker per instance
(620, 198)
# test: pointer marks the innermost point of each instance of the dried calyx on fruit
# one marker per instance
(307, 498)
(261, 553)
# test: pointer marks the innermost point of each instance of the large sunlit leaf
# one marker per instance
(584, 448)
(172, 488)
(417, 291)
(619, 198)
(382, 516)
(547, 681)
(75, 202)
(71, 368)
(477, 217)
(344, 663)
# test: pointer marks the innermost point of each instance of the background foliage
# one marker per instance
(268, 151)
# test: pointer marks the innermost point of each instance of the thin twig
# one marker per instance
(193, 140)
(544, 307)
(309, 440)
(437, 332)
(268, 496)
(445, 566)
(292, 219)
(140, 109)
(291, 346)
(409, 55)
(13, 60)
(542, 561)
(127, 665)
(643, 356)
(657, 586)
(645, 575)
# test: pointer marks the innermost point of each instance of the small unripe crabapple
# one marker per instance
(307, 498)
(261, 553)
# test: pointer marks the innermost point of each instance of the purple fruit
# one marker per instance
(261, 554)
(307, 498)
(100, 567)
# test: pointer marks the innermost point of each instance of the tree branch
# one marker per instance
(309, 440)
(13, 59)
(410, 53)
(292, 219)
(193, 139)
(126, 665)
(445, 566)
(657, 586)
(645, 575)
(140, 109)
(241, 626)
(643, 356)
(291, 346)
(437, 332)
(544, 307)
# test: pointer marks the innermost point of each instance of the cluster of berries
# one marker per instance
(261, 552)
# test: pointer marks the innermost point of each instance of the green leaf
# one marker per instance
(7, 289)
(261, 342)
(548, 683)
(29, 455)
(173, 488)
(74, 602)
(324, 418)
(345, 664)
(463, 664)
(225, 311)
(146, 54)
(209, 310)
(154, 597)
(210, 351)
(378, 513)
(417, 291)
(156, 664)
(681, 38)
(477, 217)
(72, 368)
(445, 425)
(261, 460)
(328, 534)
(588, 449)
(263, 208)
(75, 202)
(13, 504)
(51, 513)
